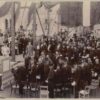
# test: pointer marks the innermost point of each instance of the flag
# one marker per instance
(54, 19)
(43, 16)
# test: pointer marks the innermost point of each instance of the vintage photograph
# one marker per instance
(49, 49)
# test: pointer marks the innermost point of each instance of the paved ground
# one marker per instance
(6, 93)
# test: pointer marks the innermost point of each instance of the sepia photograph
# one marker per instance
(50, 49)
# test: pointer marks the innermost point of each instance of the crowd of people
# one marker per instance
(60, 59)
(21, 41)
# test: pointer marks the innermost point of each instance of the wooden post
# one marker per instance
(48, 15)
(59, 19)
(34, 25)
(13, 32)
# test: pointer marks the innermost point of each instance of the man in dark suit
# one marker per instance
(58, 75)
(66, 74)
(51, 82)
(27, 63)
(21, 78)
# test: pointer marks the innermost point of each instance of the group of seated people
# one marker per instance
(60, 61)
